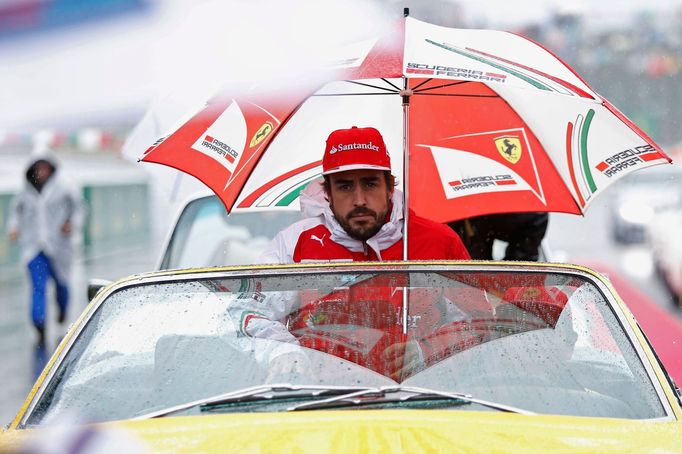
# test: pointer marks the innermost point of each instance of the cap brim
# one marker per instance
(355, 167)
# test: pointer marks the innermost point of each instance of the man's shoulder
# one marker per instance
(439, 240)
(58, 186)
(282, 247)
(428, 227)
(301, 226)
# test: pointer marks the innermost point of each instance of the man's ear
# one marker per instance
(325, 190)
(390, 182)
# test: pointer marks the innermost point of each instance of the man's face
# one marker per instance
(43, 170)
(360, 201)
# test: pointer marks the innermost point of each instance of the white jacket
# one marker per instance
(38, 218)
(316, 210)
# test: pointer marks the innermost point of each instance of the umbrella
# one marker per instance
(477, 122)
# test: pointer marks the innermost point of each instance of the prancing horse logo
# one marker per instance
(509, 147)
(261, 134)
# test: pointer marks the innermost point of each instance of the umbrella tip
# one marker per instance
(406, 12)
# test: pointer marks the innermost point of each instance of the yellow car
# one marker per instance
(399, 357)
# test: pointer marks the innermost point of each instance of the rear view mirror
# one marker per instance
(94, 287)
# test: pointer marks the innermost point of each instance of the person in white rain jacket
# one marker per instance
(42, 218)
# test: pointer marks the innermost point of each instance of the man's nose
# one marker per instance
(359, 196)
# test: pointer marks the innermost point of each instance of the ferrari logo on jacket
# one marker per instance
(509, 147)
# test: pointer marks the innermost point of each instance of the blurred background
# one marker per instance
(98, 81)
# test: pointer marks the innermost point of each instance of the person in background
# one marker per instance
(523, 233)
(42, 217)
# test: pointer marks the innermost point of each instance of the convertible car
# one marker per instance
(400, 357)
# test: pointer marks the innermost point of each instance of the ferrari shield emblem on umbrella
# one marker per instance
(476, 121)
(509, 147)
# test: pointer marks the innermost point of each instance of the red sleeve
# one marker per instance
(458, 250)
(437, 241)
(455, 247)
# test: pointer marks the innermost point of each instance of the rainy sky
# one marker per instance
(118, 67)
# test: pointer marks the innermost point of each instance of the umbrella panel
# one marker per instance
(454, 131)
(472, 152)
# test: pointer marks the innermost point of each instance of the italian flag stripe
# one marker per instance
(583, 150)
(291, 196)
(534, 82)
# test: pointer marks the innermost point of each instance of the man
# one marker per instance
(357, 214)
(354, 215)
(41, 218)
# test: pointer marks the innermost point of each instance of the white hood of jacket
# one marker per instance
(39, 216)
(315, 204)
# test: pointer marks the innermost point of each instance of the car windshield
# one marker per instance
(545, 342)
(205, 235)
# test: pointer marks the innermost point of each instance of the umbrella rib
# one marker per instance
(354, 94)
(373, 86)
(391, 84)
(463, 96)
(440, 86)
(425, 82)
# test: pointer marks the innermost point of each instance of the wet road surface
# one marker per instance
(22, 359)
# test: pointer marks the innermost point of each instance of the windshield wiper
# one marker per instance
(340, 396)
(259, 393)
(370, 396)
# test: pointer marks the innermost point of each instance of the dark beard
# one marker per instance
(362, 233)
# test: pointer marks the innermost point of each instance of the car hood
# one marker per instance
(387, 431)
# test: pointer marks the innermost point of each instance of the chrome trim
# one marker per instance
(279, 270)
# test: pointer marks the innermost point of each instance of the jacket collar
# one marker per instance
(315, 204)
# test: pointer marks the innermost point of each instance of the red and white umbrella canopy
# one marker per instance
(492, 122)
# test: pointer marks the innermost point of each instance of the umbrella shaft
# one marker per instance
(406, 184)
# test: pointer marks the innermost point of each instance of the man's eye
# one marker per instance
(343, 187)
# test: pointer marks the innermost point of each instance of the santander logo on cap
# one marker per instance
(355, 148)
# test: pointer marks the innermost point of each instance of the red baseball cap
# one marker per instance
(355, 148)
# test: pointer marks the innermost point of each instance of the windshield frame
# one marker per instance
(625, 319)
(184, 222)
